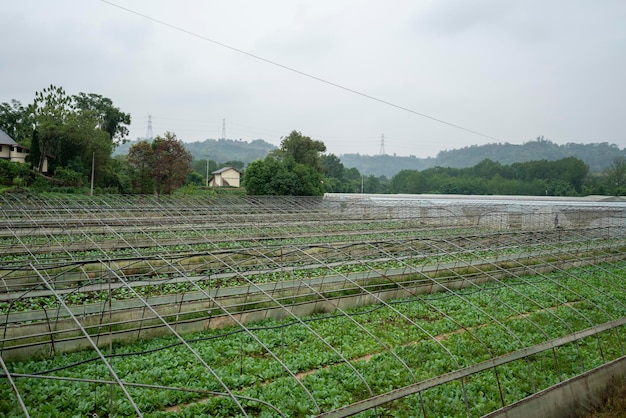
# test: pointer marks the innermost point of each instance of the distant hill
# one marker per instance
(385, 165)
(220, 150)
(598, 156)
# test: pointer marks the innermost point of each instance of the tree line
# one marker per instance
(598, 156)
(77, 134)
(73, 133)
(300, 167)
(565, 177)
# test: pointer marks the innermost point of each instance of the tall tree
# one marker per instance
(261, 177)
(49, 113)
(294, 169)
(82, 146)
(76, 131)
(333, 167)
(572, 171)
(616, 176)
(108, 118)
(140, 162)
(13, 121)
(172, 163)
(302, 149)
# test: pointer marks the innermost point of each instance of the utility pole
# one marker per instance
(382, 145)
(93, 167)
(223, 128)
(207, 169)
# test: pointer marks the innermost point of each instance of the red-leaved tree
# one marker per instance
(160, 167)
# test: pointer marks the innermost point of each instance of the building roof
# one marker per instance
(5, 139)
(221, 170)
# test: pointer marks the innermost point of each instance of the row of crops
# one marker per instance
(127, 306)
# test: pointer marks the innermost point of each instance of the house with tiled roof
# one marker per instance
(14, 152)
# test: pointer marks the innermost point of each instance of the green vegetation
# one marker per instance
(295, 169)
(221, 151)
(72, 134)
(257, 274)
(342, 358)
(598, 156)
(76, 136)
(13, 174)
(564, 177)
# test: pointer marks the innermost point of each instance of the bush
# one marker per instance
(68, 177)
(11, 170)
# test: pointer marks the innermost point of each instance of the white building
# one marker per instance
(225, 177)
(12, 151)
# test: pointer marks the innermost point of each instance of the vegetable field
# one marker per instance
(298, 307)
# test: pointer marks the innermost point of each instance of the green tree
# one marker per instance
(195, 179)
(10, 171)
(371, 184)
(116, 178)
(258, 176)
(140, 163)
(83, 146)
(310, 181)
(35, 151)
(108, 118)
(271, 177)
(408, 181)
(558, 187)
(352, 181)
(13, 121)
(572, 171)
(302, 149)
(616, 177)
(487, 169)
(294, 169)
(563, 177)
(333, 167)
(73, 132)
(274, 177)
(339, 179)
(49, 114)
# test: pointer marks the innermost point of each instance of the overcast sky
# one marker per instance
(499, 71)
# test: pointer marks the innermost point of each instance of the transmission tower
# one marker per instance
(382, 145)
(223, 128)
(149, 133)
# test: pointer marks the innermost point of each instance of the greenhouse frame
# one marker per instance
(334, 306)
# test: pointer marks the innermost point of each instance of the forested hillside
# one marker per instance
(222, 150)
(230, 150)
(598, 156)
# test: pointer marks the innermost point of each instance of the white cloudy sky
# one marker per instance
(508, 70)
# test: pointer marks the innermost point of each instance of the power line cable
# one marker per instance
(406, 109)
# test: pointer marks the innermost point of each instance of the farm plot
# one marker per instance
(289, 307)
